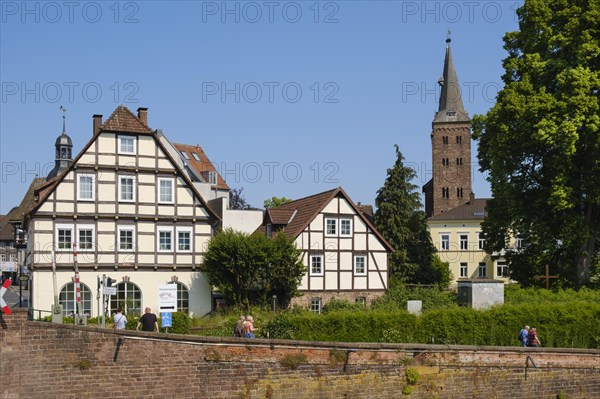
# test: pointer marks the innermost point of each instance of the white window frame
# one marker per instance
(162, 230)
(349, 234)
(62, 226)
(121, 150)
(79, 177)
(172, 182)
(212, 178)
(133, 240)
(445, 247)
(185, 230)
(364, 272)
(316, 305)
(482, 267)
(133, 188)
(322, 262)
(2, 257)
(335, 226)
(361, 300)
(463, 241)
(480, 240)
(463, 270)
(501, 269)
(80, 228)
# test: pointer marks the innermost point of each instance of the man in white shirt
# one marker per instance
(120, 320)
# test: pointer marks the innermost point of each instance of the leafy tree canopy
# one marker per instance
(401, 221)
(540, 143)
(250, 269)
(274, 202)
(237, 200)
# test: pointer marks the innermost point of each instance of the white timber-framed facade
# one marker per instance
(133, 214)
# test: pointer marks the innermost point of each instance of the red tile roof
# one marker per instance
(203, 165)
(123, 120)
(306, 209)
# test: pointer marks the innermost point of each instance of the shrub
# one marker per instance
(293, 361)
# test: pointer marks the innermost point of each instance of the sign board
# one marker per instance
(167, 319)
(167, 298)
(110, 290)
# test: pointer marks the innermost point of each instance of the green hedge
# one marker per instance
(559, 325)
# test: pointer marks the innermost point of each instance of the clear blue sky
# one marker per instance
(228, 76)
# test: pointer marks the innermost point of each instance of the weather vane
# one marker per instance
(64, 110)
(448, 40)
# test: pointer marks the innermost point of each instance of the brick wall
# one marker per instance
(42, 360)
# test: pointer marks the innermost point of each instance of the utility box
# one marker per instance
(480, 293)
(80, 320)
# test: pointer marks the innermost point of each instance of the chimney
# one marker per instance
(471, 198)
(97, 123)
(143, 115)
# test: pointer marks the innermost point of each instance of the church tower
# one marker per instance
(450, 185)
(64, 147)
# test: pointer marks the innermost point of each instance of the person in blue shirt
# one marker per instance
(523, 334)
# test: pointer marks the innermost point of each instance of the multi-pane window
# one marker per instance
(126, 145)
(184, 239)
(68, 299)
(458, 139)
(464, 242)
(128, 298)
(458, 161)
(86, 238)
(445, 192)
(165, 190)
(316, 265)
(482, 270)
(519, 241)
(2, 257)
(464, 269)
(165, 240)
(12, 257)
(445, 139)
(459, 192)
(64, 237)
(183, 298)
(315, 305)
(126, 238)
(361, 300)
(445, 242)
(345, 227)
(481, 241)
(212, 178)
(330, 227)
(501, 269)
(85, 187)
(126, 188)
(360, 264)
(445, 162)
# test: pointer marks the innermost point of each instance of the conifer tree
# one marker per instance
(401, 220)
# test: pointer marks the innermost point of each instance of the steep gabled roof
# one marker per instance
(472, 210)
(119, 122)
(123, 120)
(203, 165)
(451, 107)
(304, 210)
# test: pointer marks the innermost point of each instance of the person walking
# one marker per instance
(239, 329)
(532, 338)
(120, 320)
(148, 321)
(249, 327)
(523, 335)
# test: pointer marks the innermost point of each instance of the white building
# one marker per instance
(344, 254)
(132, 210)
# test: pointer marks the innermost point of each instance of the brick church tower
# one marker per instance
(450, 185)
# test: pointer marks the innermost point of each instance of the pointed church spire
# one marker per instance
(64, 147)
(451, 107)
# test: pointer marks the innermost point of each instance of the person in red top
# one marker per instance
(532, 338)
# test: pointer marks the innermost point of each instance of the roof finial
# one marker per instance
(64, 110)
(448, 39)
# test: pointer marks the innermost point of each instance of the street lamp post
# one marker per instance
(20, 244)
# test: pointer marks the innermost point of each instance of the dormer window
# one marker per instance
(196, 157)
(185, 155)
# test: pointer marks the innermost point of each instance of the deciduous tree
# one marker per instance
(540, 143)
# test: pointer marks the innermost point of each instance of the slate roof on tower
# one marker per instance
(451, 107)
